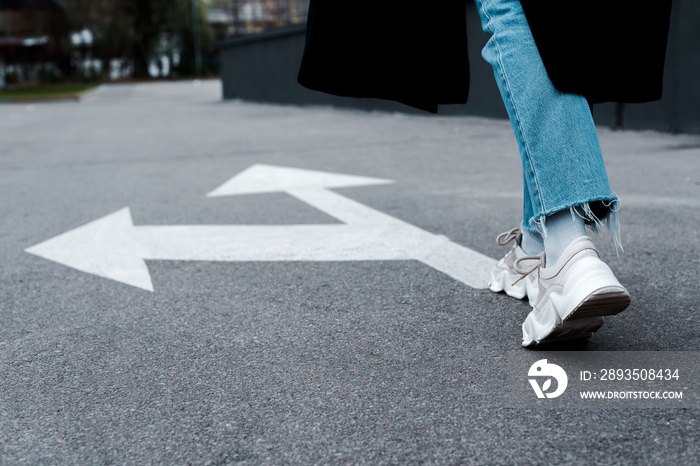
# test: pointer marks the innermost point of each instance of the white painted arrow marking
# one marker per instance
(112, 247)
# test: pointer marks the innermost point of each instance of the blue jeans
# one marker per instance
(561, 157)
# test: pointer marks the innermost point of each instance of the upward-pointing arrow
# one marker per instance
(112, 247)
(262, 178)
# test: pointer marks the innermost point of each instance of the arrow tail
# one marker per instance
(265, 243)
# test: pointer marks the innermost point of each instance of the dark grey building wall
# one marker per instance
(263, 68)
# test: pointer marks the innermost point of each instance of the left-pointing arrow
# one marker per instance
(112, 247)
(106, 247)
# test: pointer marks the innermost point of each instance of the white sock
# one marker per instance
(562, 229)
(531, 242)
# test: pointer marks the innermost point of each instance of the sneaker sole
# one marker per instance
(604, 303)
(587, 317)
(578, 329)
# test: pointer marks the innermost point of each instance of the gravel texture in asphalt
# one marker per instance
(369, 362)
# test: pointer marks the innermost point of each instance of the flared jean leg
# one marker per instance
(561, 158)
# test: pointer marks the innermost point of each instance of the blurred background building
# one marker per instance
(243, 17)
(256, 46)
(92, 40)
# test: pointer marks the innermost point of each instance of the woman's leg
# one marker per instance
(562, 162)
(565, 185)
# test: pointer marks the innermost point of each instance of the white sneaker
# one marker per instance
(506, 276)
(574, 295)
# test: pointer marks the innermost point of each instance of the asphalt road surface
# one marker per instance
(301, 315)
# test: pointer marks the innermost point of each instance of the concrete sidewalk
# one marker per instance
(286, 355)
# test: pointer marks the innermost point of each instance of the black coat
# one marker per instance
(416, 52)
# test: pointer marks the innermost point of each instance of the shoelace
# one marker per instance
(508, 236)
(513, 235)
(526, 272)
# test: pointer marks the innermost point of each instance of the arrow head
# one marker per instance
(107, 247)
(270, 178)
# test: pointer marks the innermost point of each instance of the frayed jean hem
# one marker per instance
(597, 213)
